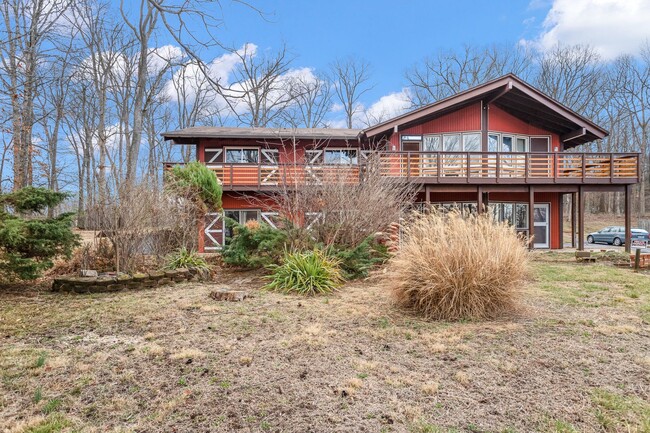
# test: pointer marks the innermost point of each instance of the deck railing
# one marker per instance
(444, 167)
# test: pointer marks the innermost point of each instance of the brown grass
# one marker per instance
(107, 359)
(453, 268)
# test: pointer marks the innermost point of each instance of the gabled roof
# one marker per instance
(514, 96)
(190, 135)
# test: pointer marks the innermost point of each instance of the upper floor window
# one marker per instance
(469, 142)
(238, 155)
(341, 156)
(507, 143)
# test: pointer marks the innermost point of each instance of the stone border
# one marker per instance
(136, 281)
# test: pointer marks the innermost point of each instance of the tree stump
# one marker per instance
(225, 294)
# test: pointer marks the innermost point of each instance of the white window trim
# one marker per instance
(356, 150)
(225, 154)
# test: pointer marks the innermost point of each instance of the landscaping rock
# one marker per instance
(156, 275)
(140, 277)
(112, 282)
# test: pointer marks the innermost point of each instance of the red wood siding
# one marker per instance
(285, 150)
(465, 119)
(501, 121)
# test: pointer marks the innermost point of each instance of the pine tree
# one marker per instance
(29, 241)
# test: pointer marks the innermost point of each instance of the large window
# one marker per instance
(240, 217)
(507, 143)
(472, 142)
(451, 143)
(432, 143)
(341, 156)
(236, 155)
(513, 213)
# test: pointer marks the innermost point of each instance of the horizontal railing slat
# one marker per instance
(460, 165)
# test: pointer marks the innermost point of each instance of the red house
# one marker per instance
(503, 144)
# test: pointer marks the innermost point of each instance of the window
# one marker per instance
(431, 143)
(472, 142)
(451, 143)
(512, 213)
(411, 146)
(465, 209)
(242, 156)
(506, 144)
(341, 156)
(521, 144)
(493, 142)
(240, 217)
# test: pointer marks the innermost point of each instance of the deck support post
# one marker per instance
(531, 217)
(628, 218)
(581, 219)
(427, 195)
(573, 220)
(479, 199)
(561, 219)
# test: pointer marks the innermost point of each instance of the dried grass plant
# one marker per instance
(453, 268)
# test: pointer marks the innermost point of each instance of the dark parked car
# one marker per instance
(615, 235)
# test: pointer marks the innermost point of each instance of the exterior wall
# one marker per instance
(462, 120)
(501, 121)
(553, 198)
(468, 119)
(286, 151)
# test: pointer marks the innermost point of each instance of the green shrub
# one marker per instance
(254, 245)
(185, 258)
(29, 245)
(199, 180)
(306, 273)
(356, 262)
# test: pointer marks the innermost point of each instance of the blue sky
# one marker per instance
(391, 35)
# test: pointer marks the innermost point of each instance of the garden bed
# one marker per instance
(111, 282)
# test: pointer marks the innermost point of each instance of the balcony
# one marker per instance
(443, 167)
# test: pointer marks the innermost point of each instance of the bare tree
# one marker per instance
(27, 26)
(142, 30)
(351, 81)
(574, 76)
(259, 93)
(630, 84)
(449, 72)
(311, 100)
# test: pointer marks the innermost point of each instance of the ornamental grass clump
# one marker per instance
(184, 258)
(453, 268)
(306, 273)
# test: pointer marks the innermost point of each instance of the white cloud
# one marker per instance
(388, 106)
(613, 27)
(160, 57)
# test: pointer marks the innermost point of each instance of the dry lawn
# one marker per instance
(576, 358)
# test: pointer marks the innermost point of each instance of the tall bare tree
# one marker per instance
(311, 100)
(351, 81)
(28, 24)
(259, 93)
(448, 72)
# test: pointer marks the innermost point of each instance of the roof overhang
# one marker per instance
(514, 96)
(193, 135)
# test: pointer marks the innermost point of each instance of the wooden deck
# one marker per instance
(445, 168)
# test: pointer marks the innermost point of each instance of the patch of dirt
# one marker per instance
(174, 360)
